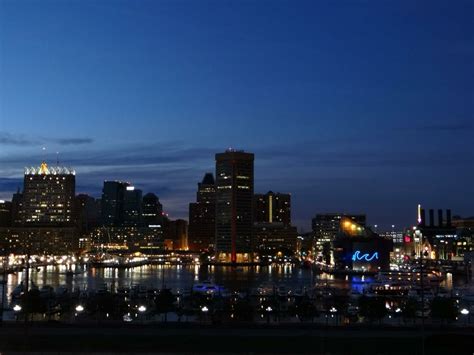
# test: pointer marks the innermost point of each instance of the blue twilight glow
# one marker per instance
(357, 256)
(121, 89)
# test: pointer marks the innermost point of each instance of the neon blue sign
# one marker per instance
(358, 256)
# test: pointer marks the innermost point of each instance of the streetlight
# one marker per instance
(269, 310)
(16, 309)
(465, 312)
(204, 311)
(142, 310)
(79, 309)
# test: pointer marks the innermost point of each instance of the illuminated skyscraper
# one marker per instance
(234, 205)
(272, 208)
(152, 210)
(132, 207)
(48, 195)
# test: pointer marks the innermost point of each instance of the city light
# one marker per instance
(464, 311)
(79, 308)
(17, 308)
(142, 309)
(204, 309)
(367, 257)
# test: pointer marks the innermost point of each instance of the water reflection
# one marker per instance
(184, 276)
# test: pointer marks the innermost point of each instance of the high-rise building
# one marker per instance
(86, 213)
(176, 234)
(17, 208)
(202, 216)
(132, 207)
(48, 195)
(43, 218)
(152, 210)
(234, 205)
(272, 207)
(275, 237)
(327, 225)
(5, 213)
(112, 208)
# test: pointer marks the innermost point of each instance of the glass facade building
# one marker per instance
(234, 205)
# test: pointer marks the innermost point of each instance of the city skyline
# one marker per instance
(31, 169)
(371, 113)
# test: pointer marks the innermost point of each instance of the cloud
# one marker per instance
(74, 141)
(9, 139)
(319, 174)
(22, 140)
(448, 126)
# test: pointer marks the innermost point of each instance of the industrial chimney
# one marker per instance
(448, 218)
(423, 217)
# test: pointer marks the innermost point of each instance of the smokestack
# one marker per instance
(423, 217)
(448, 218)
(440, 218)
(431, 218)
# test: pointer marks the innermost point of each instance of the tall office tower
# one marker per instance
(17, 208)
(202, 216)
(234, 205)
(5, 213)
(176, 234)
(132, 207)
(272, 228)
(152, 210)
(272, 208)
(48, 195)
(327, 225)
(86, 213)
(112, 203)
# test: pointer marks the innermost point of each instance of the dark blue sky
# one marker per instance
(355, 106)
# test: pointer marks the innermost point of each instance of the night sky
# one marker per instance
(352, 106)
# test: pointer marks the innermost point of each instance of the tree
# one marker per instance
(243, 310)
(306, 309)
(372, 308)
(31, 303)
(409, 309)
(164, 302)
(444, 308)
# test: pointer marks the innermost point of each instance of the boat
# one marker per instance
(421, 292)
(428, 276)
(387, 289)
(355, 294)
(207, 287)
(282, 291)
